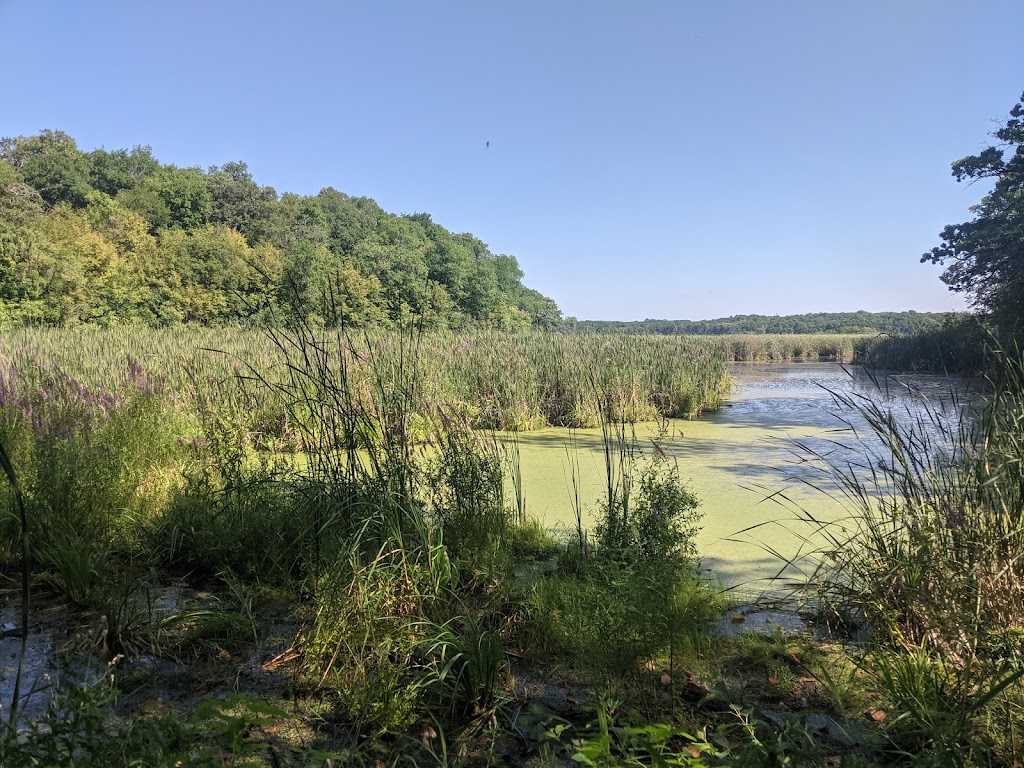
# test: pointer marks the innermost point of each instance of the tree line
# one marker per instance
(108, 237)
(105, 237)
(817, 322)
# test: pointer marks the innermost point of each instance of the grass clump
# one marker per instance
(929, 566)
(633, 594)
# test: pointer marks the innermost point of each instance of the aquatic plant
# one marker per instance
(928, 564)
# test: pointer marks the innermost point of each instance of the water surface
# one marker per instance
(756, 487)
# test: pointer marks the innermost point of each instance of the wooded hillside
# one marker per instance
(106, 237)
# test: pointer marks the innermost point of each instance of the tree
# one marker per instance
(171, 197)
(294, 221)
(51, 164)
(212, 275)
(985, 256)
(239, 202)
(114, 236)
(113, 171)
(70, 274)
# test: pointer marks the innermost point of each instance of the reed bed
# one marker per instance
(791, 346)
(496, 380)
(957, 347)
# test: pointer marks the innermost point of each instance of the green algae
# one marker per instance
(750, 503)
(756, 492)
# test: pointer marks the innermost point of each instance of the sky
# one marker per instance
(646, 159)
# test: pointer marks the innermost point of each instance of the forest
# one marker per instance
(108, 237)
(861, 322)
(112, 237)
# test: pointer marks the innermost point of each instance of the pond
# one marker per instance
(747, 462)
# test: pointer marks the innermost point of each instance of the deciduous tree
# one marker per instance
(984, 257)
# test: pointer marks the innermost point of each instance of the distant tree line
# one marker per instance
(107, 237)
(817, 322)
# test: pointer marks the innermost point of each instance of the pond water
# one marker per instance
(743, 462)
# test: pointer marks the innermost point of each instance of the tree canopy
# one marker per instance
(984, 257)
(115, 236)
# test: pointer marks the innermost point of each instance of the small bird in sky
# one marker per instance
(488, 145)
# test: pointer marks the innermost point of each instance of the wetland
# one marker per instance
(285, 547)
(747, 462)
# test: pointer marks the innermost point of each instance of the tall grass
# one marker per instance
(930, 564)
(786, 347)
(497, 380)
(518, 381)
(957, 347)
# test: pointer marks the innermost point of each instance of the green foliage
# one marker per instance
(238, 202)
(985, 256)
(657, 521)
(81, 728)
(608, 743)
(958, 346)
(235, 513)
(119, 170)
(51, 163)
(612, 615)
(466, 481)
(230, 720)
(939, 704)
(172, 198)
(615, 740)
(366, 643)
(228, 249)
(92, 463)
(77, 730)
(816, 322)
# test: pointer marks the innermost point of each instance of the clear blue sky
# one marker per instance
(647, 159)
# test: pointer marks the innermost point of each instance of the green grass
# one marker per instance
(927, 563)
(786, 347)
(421, 583)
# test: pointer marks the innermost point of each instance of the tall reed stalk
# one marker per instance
(929, 561)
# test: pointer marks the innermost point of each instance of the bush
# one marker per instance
(658, 522)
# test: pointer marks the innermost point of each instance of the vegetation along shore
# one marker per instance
(264, 498)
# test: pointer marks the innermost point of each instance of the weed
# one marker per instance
(929, 562)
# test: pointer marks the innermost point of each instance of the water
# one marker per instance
(38, 664)
(747, 462)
